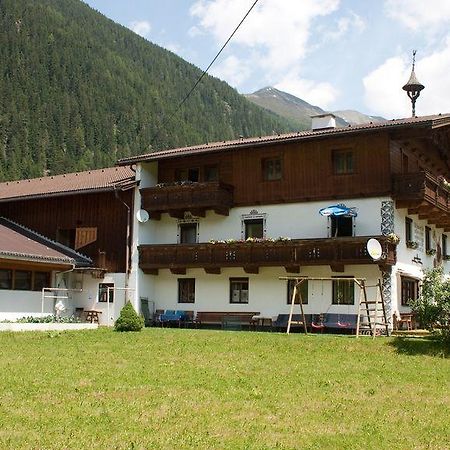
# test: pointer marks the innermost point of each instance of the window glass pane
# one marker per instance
(239, 290)
(272, 169)
(408, 229)
(343, 292)
(303, 288)
(41, 280)
(427, 238)
(188, 233)
(103, 292)
(410, 290)
(5, 279)
(211, 173)
(341, 226)
(342, 162)
(193, 175)
(22, 280)
(254, 228)
(181, 175)
(186, 290)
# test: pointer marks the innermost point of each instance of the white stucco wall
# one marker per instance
(408, 259)
(267, 294)
(293, 220)
(17, 304)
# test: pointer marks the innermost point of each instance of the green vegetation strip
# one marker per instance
(176, 389)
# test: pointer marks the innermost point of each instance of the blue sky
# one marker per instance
(337, 54)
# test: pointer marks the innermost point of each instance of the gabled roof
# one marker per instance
(412, 122)
(100, 180)
(19, 242)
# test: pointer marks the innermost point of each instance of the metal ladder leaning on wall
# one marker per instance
(373, 312)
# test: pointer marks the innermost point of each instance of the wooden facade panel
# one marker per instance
(58, 218)
(307, 170)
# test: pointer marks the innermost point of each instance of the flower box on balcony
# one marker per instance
(412, 244)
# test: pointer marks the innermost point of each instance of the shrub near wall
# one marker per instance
(129, 320)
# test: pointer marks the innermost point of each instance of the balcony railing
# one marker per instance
(177, 198)
(291, 254)
(420, 187)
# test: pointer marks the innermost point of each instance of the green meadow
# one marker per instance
(181, 389)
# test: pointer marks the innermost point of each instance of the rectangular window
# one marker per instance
(303, 289)
(410, 290)
(238, 290)
(41, 280)
(254, 228)
(343, 292)
(408, 229)
(181, 175)
(5, 279)
(187, 233)
(342, 162)
(22, 280)
(341, 226)
(186, 290)
(211, 173)
(187, 174)
(103, 289)
(272, 169)
(427, 239)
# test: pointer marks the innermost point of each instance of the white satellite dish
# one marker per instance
(374, 249)
(142, 216)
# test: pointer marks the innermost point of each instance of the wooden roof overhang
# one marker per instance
(424, 195)
(290, 254)
(430, 145)
(399, 127)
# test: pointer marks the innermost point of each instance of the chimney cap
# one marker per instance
(326, 121)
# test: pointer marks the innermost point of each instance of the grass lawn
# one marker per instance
(175, 389)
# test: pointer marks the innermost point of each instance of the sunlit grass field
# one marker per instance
(177, 389)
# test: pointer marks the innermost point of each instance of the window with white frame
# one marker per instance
(253, 225)
(341, 226)
(238, 290)
(187, 231)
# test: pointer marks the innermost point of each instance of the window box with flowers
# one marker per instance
(393, 238)
(412, 244)
(446, 257)
(431, 252)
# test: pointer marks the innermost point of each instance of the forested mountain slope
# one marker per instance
(79, 91)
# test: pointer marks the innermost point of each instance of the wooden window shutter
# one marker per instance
(85, 236)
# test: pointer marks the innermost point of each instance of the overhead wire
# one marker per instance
(167, 119)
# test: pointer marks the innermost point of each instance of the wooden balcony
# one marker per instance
(425, 195)
(176, 199)
(292, 254)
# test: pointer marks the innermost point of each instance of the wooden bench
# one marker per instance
(224, 318)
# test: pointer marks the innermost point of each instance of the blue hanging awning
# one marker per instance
(338, 210)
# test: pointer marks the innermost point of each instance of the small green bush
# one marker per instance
(129, 320)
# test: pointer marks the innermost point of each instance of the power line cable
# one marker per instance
(170, 117)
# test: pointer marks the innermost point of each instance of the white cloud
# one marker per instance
(141, 27)
(279, 30)
(322, 94)
(383, 86)
(232, 69)
(344, 25)
(419, 14)
(194, 32)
